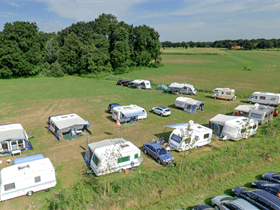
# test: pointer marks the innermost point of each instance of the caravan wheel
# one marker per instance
(47, 190)
(30, 193)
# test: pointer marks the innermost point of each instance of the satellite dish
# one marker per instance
(140, 159)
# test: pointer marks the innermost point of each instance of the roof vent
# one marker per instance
(257, 106)
(191, 122)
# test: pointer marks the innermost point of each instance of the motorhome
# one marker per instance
(257, 112)
(13, 139)
(111, 155)
(182, 88)
(272, 99)
(142, 84)
(128, 113)
(67, 126)
(224, 93)
(189, 105)
(187, 136)
(233, 127)
(26, 176)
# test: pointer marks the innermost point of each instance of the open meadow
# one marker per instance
(211, 170)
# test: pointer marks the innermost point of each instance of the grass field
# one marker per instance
(31, 101)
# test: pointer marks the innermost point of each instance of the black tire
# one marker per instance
(30, 193)
(47, 190)
(158, 160)
(152, 111)
(145, 151)
(161, 115)
(120, 170)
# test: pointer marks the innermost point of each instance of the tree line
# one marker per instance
(104, 45)
(245, 44)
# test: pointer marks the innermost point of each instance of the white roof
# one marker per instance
(65, 121)
(224, 89)
(267, 93)
(180, 85)
(118, 144)
(221, 118)
(12, 131)
(188, 100)
(248, 108)
(19, 170)
(130, 110)
(195, 127)
(139, 81)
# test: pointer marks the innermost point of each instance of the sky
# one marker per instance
(176, 21)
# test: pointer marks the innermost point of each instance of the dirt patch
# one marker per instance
(184, 61)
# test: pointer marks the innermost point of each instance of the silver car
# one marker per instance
(161, 110)
(225, 202)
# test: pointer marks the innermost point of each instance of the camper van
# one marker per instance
(272, 99)
(111, 155)
(182, 88)
(70, 125)
(142, 84)
(257, 112)
(224, 93)
(27, 175)
(233, 127)
(187, 136)
(13, 138)
(188, 104)
(128, 113)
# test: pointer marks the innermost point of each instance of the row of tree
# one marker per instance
(102, 45)
(246, 44)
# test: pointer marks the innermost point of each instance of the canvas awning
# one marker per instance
(132, 113)
(221, 118)
(179, 125)
(28, 159)
(66, 123)
(12, 134)
(245, 108)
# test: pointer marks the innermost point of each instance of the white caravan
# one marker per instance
(142, 84)
(67, 125)
(111, 155)
(188, 104)
(233, 127)
(187, 136)
(128, 113)
(12, 138)
(272, 99)
(257, 112)
(27, 177)
(224, 93)
(182, 88)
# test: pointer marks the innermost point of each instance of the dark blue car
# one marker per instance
(127, 83)
(270, 187)
(120, 82)
(111, 106)
(202, 207)
(260, 198)
(272, 176)
(158, 152)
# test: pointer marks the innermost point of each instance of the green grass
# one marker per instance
(30, 101)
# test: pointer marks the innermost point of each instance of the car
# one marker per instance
(272, 176)
(158, 152)
(270, 187)
(111, 106)
(120, 82)
(127, 83)
(161, 110)
(260, 198)
(202, 207)
(225, 202)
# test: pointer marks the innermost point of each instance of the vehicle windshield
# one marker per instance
(161, 151)
(276, 176)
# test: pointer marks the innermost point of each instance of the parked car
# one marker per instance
(272, 176)
(260, 198)
(202, 207)
(158, 152)
(270, 187)
(127, 83)
(161, 110)
(120, 82)
(111, 106)
(225, 202)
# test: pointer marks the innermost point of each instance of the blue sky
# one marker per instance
(176, 21)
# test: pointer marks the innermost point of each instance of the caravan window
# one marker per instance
(136, 156)
(20, 144)
(257, 116)
(256, 97)
(123, 159)
(176, 138)
(95, 160)
(9, 186)
(37, 179)
(273, 99)
(206, 136)
(5, 146)
(243, 130)
(228, 93)
(262, 97)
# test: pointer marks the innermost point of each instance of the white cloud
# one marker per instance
(13, 4)
(51, 26)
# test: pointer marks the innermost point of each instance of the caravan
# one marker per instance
(187, 136)
(233, 127)
(142, 84)
(182, 88)
(272, 99)
(112, 155)
(257, 112)
(188, 104)
(224, 93)
(28, 175)
(128, 113)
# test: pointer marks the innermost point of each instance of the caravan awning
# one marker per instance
(245, 108)
(221, 118)
(12, 134)
(179, 125)
(133, 113)
(28, 159)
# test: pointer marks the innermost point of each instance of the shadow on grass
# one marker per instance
(108, 133)
(228, 192)
(246, 102)
(258, 177)
(173, 106)
(207, 201)
(110, 118)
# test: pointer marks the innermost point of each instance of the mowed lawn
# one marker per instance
(31, 101)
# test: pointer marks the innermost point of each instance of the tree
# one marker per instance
(51, 51)
(191, 44)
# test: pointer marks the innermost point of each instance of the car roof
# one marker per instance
(154, 145)
(163, 107)
(244, 204)
(267, 196)
(113, 104)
